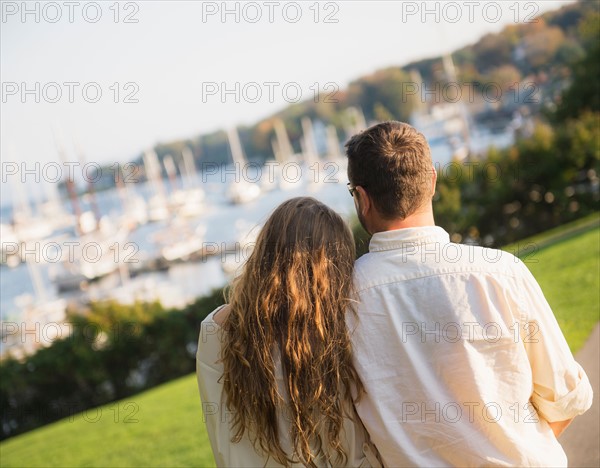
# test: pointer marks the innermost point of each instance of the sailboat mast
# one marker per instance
(333, 144)
(171, 171)
(283, 141)
(450, 72)
(90, 187)
(153, 172)
(310, 148)
(189, 166)
(70, 185)
(237, 152)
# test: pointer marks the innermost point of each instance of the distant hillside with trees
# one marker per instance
(543, 180)
(540, 54)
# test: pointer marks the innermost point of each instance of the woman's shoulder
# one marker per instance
(217, 316)
(209, 341)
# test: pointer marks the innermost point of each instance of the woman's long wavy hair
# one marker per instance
(291, 301)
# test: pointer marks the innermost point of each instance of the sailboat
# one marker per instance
(180, 241)
(92, 256)
(38, 312)
(26, 225)
(312, 163)
(355, 121)
(158, 206)
(445, 124)
(233, 261)
(333, 144)
(9, 250)
(188, 200)
(240, 190)
(53, 210)
(284, 155)
(30, 228)
(98, 247)
(335, 156)
(134, 208)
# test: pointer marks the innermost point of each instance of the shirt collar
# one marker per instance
(399, 238)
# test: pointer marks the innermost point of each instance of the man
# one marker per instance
(462, 359)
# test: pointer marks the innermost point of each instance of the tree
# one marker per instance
(505, 76)
(584, 93)
(541, 46)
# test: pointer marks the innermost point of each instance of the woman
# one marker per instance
(274, 365)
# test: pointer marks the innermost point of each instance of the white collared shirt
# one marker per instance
(460, 354)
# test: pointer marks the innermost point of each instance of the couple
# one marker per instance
(423, 353)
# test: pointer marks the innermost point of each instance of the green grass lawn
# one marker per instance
(164, 427)
(160, 427)
(566, 263)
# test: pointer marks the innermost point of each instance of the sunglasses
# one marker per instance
(351, 189)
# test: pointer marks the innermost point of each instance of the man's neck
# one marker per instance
(419, 219)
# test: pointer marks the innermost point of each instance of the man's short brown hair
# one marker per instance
(392, 162)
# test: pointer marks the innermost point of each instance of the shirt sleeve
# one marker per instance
(208, 373)
(561, 389)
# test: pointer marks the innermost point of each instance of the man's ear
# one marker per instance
(364, 202)
(433, 180)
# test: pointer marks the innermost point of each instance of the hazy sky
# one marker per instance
(175, 48)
